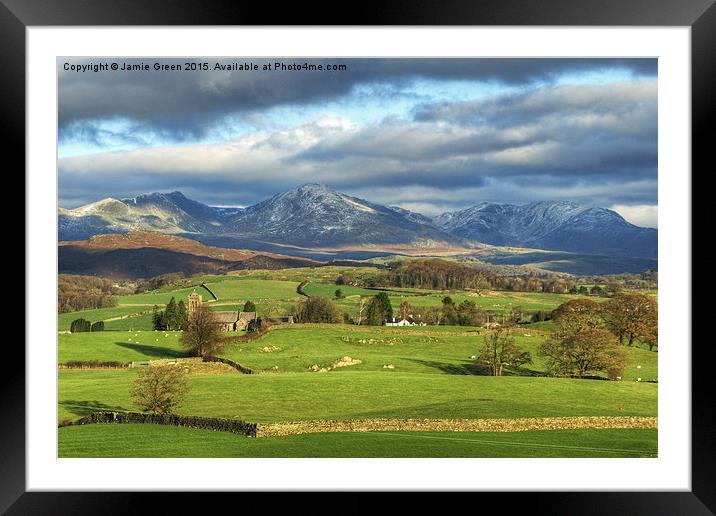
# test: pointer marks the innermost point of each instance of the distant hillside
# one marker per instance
(168, 213)
(558, 225)
(144, 255)
(315, 221)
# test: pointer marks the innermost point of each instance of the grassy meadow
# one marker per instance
(267, 398)
(410, 372)
(154, 440)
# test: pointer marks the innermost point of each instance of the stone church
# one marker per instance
(227, 320)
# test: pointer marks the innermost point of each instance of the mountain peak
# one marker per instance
(313, 189)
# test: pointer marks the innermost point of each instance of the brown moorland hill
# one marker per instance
(145, 254)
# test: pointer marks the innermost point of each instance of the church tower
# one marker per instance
(194, 303)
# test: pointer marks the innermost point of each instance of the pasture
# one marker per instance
(118, 346)
(226, 288)
(274, 397)
(162, 441)
(435, 349)
(101, 314)
(408, 372)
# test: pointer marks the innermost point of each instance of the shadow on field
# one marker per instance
(152, 351)
(472, 368)
(450, 368)
(521, 371)
(83, 407)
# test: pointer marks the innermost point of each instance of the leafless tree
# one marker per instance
(201, 337)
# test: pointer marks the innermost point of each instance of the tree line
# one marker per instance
(588, 337)
(437, 274)
(76, 293)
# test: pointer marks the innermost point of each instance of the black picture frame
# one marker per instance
(700, 15)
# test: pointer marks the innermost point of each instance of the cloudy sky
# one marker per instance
(430, 135)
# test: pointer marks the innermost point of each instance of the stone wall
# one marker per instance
(206, 423)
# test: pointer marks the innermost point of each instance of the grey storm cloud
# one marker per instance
(595, 144)
(187, 107)
(561, 130)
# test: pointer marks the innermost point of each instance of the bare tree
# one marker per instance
(201, 337)
(361, 306)
(160, 389)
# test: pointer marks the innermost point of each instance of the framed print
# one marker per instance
(423, 252)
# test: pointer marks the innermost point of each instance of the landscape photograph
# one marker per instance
(357, 258)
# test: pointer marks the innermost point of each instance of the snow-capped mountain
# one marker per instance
(552, 225)
(413, 216)
(315, 216)
(164, 212)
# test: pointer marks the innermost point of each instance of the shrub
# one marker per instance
(97, 326)
(80, 325)
(318, 310)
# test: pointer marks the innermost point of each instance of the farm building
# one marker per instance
(233, 320)
(401, 322)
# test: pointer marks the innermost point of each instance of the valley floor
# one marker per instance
(393, 373)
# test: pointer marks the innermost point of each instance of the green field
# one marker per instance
(432, 375)
(100, 314)
(226, 288)
(118, 346)
(155, 440)
(431, 350)
(493, 301)
(312, 274)
(370, 394)
(329, 290)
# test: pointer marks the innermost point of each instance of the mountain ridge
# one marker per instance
(314, 215)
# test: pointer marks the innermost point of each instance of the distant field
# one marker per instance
(227, 288)
(168, 441)
(418, 349)
(64, 320)
(141, 322)
(266, 308)
(329, 290)
(119, 346)
(367, 394)
(312, 274)
(295, 348)
(492, 301)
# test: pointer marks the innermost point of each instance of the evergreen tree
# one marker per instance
(171, 315)
(79, 325)
(157, 318)
(379, 310)
(182, 317)
(249, 307)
